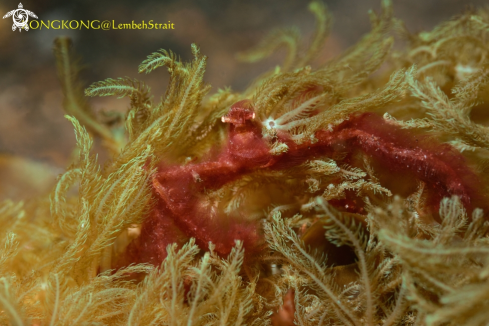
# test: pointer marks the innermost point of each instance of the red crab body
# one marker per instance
(181, 214)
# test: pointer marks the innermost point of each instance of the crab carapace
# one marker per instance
(179, 213)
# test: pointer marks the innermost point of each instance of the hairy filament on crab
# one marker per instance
(295, 117)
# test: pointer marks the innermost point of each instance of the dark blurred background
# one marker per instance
(31, 117)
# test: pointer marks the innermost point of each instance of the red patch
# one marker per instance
(180, 214)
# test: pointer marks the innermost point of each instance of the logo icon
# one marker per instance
(20, 17)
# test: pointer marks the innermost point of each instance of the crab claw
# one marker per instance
(239, 113)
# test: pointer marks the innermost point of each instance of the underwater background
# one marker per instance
(343, 181)
(32, 124)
